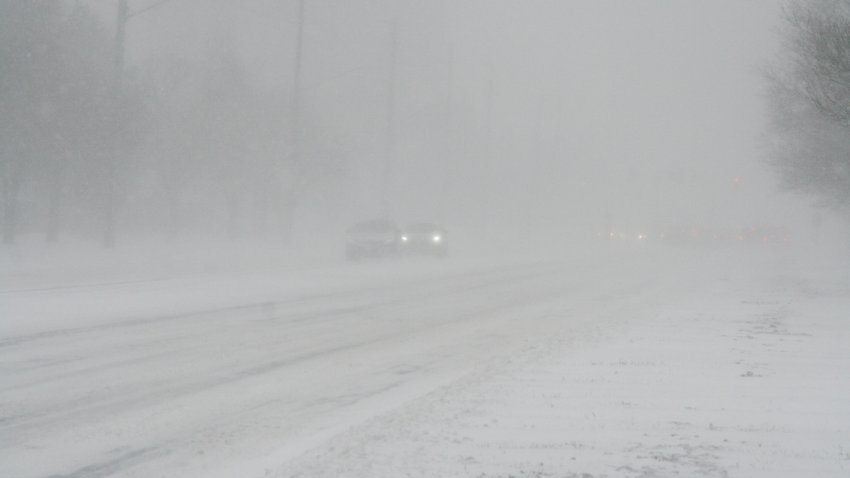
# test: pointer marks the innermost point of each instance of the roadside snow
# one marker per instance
(636, 362)
(745, 376)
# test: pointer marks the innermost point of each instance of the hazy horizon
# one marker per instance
(539, 115)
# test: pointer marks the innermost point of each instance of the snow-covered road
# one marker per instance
(113, 391)
(248, 375)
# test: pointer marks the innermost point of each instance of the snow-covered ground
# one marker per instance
(739, 373)
(629, 362)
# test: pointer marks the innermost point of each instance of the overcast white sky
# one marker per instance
(591, 110)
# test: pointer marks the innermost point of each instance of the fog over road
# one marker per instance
(424, 238)
(253, 374)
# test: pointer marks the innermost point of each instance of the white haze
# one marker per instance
(550, 339)
(512, 118)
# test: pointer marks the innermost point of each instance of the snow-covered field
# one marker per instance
(634, 363)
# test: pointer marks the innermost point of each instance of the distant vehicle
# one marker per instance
(426, 239)
(374, 238)
(764, 235)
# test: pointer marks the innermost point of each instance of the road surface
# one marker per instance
(242, 383)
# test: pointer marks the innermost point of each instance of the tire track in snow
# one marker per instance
(504, 293)
(86, 406)
(254, 306)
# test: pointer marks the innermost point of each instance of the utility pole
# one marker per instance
(449, 166)
(295, 100)
(296, 133)
(449, 97)
(123, 15)
(489, 118)
(390, 145)
(120, 34)
(489, 151)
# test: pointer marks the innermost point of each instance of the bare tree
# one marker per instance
(819, 40)
(809, 101)
(28, 48)
(54, 78)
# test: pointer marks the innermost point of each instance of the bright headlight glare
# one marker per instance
(437, 238)
(403, 238)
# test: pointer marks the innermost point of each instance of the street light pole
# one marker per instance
(117, 93)
(296, 85)
(123, 16)
(289, 183)
(120, 34)
(390, 145)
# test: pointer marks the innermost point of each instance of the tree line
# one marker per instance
(808, 93)
(181, 144)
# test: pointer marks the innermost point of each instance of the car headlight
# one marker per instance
(404, 238)
(437, 238)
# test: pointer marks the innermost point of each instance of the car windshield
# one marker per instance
(422, 228)
(378, 225)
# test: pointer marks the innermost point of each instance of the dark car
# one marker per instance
(375, 238)
(425, 238)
